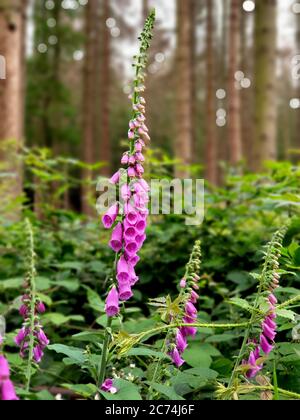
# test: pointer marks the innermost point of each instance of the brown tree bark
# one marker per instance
(234, 122)
(247, 95)
(105, 146)
(184, 119)
(145, 9)
(265, 147)
(211, 138)
(297, 143)
(12, 28)
(89, 102)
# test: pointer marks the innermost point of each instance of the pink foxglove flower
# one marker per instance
(112, 303)
(7, 389)
(110, 217)
(23, 337)
(189, 297)
(131, 209)
(108, 386)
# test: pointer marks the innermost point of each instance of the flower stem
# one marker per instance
(32, 286)
(102, 367)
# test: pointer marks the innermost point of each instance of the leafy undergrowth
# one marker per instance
(73, 264)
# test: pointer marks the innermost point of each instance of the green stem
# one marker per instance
(102, 367)
(32, 286)
(281, 391)
(289, 302)
(156, 370)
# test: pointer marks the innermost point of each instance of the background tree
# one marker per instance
(265, 108)
(12, 24)
(234, 121)
(211, 139)
(184, 119)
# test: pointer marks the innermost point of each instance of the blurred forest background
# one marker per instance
(223, 89)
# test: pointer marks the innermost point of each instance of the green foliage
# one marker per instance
(74, 264)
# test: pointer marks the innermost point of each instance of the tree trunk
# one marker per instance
(12, 24)
(297, 111)
(247, 97)
(105, 146)
(184, 119)
(234, 122)
(145, 9)
(265, 82)
(211, 139)
(89, 101)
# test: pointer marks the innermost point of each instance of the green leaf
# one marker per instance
(89, 337)
(241, 303)
(58, 319)
(221, 338)
(94, 300)
(70, 265)
(14, 283)
(196, 357)
(203, 373)
(126, 391)
(86, 391)
(42, 283)
(285, 313)
(167, 391)
(75, 355)
(142, 351)
(71, 285)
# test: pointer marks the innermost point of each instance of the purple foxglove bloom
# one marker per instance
(268, 321)
(133, 277)
(139, 169)
(8, 392)
(194, 297)
(125, 192)
(272, 315)
(130, 233)
(140, 239)
(123, 270)
(138, 147)
(125, 159)
(139, 157)
(131, 135)
(41, 308)
(110, 217)
(38, 354)
(268, 332)
(23, 311)
(175, 356)
(115, 178)
(112, 303)
(190, 309)
(43, 339)
(182, 283)
(125, 292)
(131, 248)
(134, 260)
(131, 214)
(132, 160)
(144, 185)
(1, 340)
(4, 368)
(24, 349)
(264, 344)
(117, 238)
(108, 386)
(181, 342)
(272, 299)
(132, 125)
(141, 225)
(22, 334)
(131, 172)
